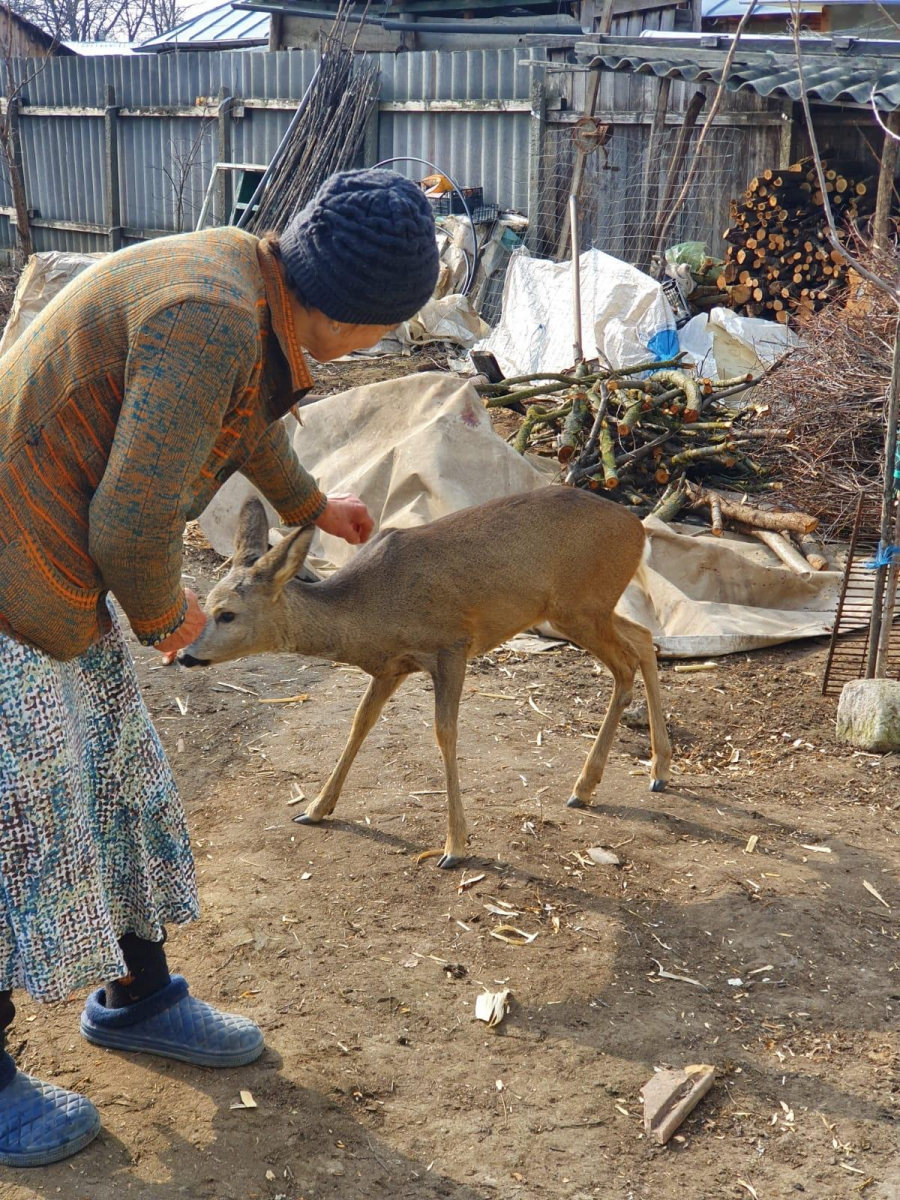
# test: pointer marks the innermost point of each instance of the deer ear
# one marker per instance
(252, 537)
(280, 564)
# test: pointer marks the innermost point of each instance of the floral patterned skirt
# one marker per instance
(93, 840)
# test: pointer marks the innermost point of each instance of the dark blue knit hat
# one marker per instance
(363, 250)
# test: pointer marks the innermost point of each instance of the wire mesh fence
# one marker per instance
(623, 188)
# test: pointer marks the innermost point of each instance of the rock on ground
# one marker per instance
(869, 714)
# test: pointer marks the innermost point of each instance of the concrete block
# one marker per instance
(868, 715)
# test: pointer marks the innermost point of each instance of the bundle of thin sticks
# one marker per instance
(329, 133)
(831, 392)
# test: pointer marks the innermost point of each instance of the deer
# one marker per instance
(430, 598)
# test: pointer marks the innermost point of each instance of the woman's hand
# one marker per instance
(346, 517)
(188, 631)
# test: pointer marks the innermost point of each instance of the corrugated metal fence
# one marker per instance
(469, 112)
(489, 118)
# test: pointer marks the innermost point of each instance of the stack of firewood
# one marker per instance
(780, 263)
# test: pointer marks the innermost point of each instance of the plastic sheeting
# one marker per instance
(625, 316)
(448, 319)
(722, 344)
(417, 448)
(45, 275)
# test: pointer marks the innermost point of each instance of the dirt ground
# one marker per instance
(363, 968)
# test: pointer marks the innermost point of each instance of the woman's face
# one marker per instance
(327, 340)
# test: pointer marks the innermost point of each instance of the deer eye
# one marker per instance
(225, 617)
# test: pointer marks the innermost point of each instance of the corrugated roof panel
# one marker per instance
(223, 24)
(829, 77)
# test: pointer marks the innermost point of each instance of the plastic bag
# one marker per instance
(691, 254)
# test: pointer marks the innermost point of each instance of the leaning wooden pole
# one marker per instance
(650, 183)
(887, 520)
(578, 341)
(685, 133)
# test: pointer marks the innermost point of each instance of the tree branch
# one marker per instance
(878, 117)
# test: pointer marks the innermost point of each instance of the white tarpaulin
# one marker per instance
(625, 316)
(417, 448)
(44, 276)
(722, 344)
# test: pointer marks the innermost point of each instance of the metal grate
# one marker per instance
(850, 634)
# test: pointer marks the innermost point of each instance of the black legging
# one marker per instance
(147, 973)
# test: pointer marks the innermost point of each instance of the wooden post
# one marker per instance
(276, 30)
(881, 222)
(786, 142)
(606, 18)
(535, 153)
(370, 139)
(696, 16)
(113, 203)
(223, 183)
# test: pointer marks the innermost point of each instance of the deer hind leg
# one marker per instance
(660, 746)
(379, 691)
(621, 658)
(448, 679)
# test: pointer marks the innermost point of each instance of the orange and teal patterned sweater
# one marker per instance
(125, 405)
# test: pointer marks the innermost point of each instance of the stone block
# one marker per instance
(868, 715)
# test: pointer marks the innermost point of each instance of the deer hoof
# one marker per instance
(657, 785)
(305, 819)
(446, 861)
(574, 802)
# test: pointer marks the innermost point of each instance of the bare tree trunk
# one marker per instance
(881, 224)
(12, 152)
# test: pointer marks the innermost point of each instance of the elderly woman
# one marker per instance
(149, 381)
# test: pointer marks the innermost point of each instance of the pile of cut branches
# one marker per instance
(642, 435)
(831, 392)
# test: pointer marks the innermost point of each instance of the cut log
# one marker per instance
(812, 551)
(756, 518)
(715, 516)
(783, 548)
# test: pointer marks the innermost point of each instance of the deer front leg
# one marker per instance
(379, 691)
(448, 682)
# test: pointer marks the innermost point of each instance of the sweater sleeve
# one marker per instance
(184, 366)
(273, 467)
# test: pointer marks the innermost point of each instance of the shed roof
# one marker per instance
(219, 28)
(51, 44)
(836, 70)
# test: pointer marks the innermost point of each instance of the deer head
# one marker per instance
(247, 611)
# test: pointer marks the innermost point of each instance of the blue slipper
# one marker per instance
(40, 1123)
(173, 1024)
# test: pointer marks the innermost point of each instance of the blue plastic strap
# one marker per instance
(884, 556)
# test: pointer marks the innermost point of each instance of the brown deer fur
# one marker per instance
(430, 598)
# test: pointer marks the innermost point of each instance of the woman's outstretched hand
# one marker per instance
(346, 517)
(188, 631)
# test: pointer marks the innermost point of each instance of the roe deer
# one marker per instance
(430, 598)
